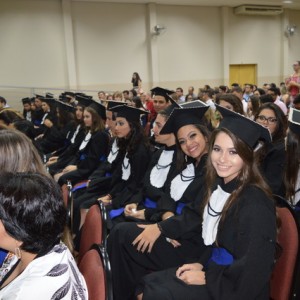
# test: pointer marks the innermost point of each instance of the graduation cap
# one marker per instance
(247, 130)
(131, 114)
(195, 103)
(294, 120)
(65, 106)
(49, 95)
(49, 101)
(168, 110)
(99, 108)
(69, 94)
(26, 100)
(111, 104)
(39, 96)
(158, 91)
(183, 116)
(84, 100)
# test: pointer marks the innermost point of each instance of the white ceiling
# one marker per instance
(294, 5)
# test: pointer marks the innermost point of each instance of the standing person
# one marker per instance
(293, 82)
(44, 267)
(238, 227)
(248, 91)
(180, 96)
(136, 81)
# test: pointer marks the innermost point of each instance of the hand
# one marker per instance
(174, 243)
(147, 238)
(189, 267)
(48, 123)
(193, 277)
(69, 168)
(105, 199)
(191, 274)
(130, 209)
(51, 161)
(167, 215)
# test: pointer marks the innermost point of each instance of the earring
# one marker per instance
(186, 158)
(18, 253)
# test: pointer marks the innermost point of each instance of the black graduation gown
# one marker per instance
(147, 190)
(69, 154)
(272, 167)
(123, 190)
(166, 202)
(248, 233)
(132, 265)
(42, 128)
(55, 137)
(37, 116)
(88, 159)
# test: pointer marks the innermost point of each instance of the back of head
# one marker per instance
(18, 154)
(32, 210)
(8, 116)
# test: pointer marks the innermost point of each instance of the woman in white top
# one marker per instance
(32, 219)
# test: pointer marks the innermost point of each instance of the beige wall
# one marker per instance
(91, 46)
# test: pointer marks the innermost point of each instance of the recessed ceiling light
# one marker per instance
(287, 1)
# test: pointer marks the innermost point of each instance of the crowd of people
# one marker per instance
(187, 180)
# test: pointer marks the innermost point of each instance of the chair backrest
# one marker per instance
(91, 230)
(288, 239)
(91, 267)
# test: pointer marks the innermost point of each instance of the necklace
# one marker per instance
(185, 178)
(159, 167)
(212, 212)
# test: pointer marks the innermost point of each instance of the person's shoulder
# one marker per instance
(253, 195)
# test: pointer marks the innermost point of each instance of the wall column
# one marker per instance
(69, 44)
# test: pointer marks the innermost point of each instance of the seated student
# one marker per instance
(271, 157)
(134, 145)
(181, 239)
(43, 266)
(238, 227)
(292, 170)
(38, 112)
(192, 139)
(49, 116)
(60, 159)
(93, 149)
(161, 169)
(56, 135)
(8, 116)
(99, 181)
(27, 113)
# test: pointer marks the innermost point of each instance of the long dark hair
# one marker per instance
(136, 136)
(64, 117)
(182, 159)
(281, 124)
(249, 175)
(135, 81)
(292, 164)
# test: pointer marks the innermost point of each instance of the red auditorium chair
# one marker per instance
(285, 276)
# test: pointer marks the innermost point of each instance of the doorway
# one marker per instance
(242, 74)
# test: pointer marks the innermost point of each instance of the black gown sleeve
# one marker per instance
(123, 192)
(273, 167)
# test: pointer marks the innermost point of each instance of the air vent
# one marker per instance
(263, 10)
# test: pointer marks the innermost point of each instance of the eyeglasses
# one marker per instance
(269, 120)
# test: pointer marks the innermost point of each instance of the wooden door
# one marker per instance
(242, 74)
